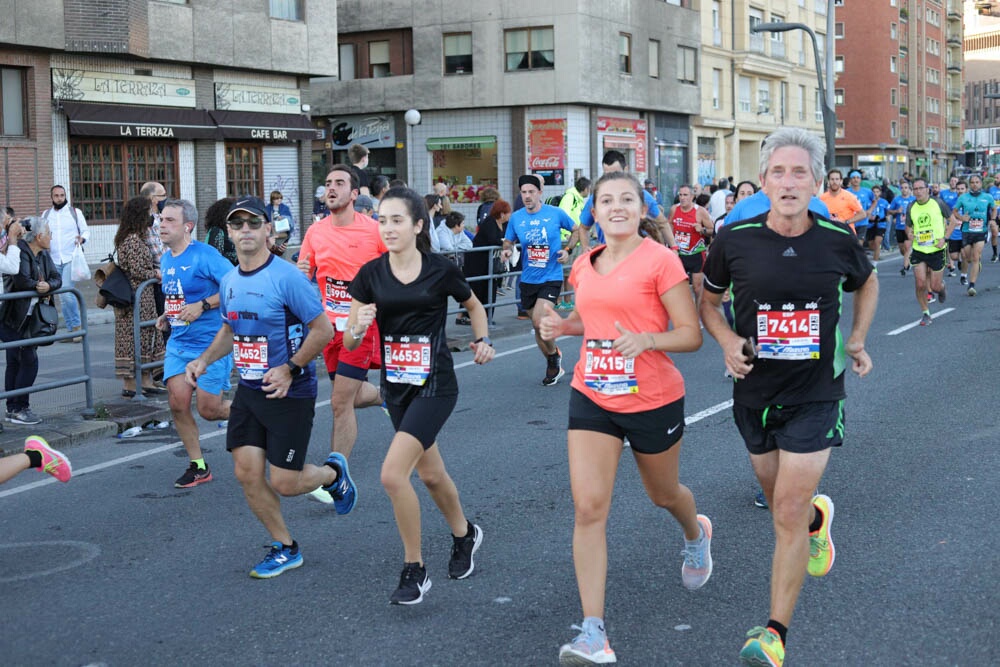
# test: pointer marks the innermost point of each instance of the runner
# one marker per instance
(877, 223)
(843, 205)
(975, 209)
(926, 221)
(274, 326)
(38, 455)
(406, 292)
(950, 197)
(692, 225)
(897, 209)
(536, 227)
(867, 200)
(788, 270)
(625, 386)
(994, 229)
(332, 251)
(192, 272)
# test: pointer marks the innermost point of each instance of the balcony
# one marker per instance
(954, 38)
(954, 121)
(954, 93)
(954, 67)
(955, 9)
(757, 42)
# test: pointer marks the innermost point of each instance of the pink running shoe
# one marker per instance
(54, 462)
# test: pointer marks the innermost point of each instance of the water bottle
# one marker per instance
(130, 433)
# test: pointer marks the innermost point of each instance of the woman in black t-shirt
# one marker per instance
(406, 292)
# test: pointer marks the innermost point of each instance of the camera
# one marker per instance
(25, 223)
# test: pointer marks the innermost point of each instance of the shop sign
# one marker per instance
(84, 86)
(372, 131)
(238, 97)
(627, 133)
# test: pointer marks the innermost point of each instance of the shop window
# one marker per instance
(625, 53)
(378, 59)
(290, 10)
(687, 64)
(348, 62)
(13, 121)
(106, 174)
(458, 53)
(465, 164)
(244, 170)
(530, 48)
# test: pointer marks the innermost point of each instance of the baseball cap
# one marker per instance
(251, 205)
(363, 202)
(320, 191)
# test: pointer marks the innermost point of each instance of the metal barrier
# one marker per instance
(137, 326)
(86, 379)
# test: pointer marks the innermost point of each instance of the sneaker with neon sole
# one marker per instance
(590, 647)
(193, 476)
(54, 462)
(697, 567)
(763, 648)
(277, 560)
(343, 491)
(821, 551)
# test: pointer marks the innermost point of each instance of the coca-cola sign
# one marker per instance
(552, 162)
(547, 143)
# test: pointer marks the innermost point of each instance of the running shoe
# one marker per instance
(463, 549)
(193, 476)
(925, 320)
(590, 647)
(963, 280)
(413, 583)
(821, 551)
(942, 296)
(995, 259)
(385, 409)
(931, 298)
(523, 315)
(697, 567)
(902, 271)
(972, 292)
(344, 492)
(25, 416)
(554, 371)
(951, 272)
(54, 462)
(763, 648)
(760, 500)
(320, 495)
(277, 560)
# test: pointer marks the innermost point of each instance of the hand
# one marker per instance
(190, 312)
(940, 243)
(737, 363)
(862, 362)
(79, 240)
(281, 248)
(562, 256)
(15, 232)
(161, 322)
(366, 315)
(506, 253)
(631, 344)
(194, 370)
(305, 265)
(41, 287)
(276, 381)
(482, 352)
(550, 324)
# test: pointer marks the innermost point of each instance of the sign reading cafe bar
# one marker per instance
(82, 86)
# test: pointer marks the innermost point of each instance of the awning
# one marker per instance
(134, 122)
(264, 126)
(460, 143)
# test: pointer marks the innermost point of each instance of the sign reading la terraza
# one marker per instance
(239, 97)
(84, 86)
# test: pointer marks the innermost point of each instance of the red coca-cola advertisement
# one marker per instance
(547, 149)
(627, 135)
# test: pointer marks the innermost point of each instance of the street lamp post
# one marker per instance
(829, 115)
(411, 118)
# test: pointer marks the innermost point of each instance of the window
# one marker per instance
(838, 3)
(687, 64)
(378, 59)
(838, 64)
(892, 129)
(933, 105)
(841, 129)
(802, 102)
(744, 93)
(756, 38)
(13, 121)
(838, 96)
(934, 47)
(458, 53)
(777, 38)
(244, 170)
(821, 46)
(892, 96)
(838, 30)
(716, 23)
(933, 76)
(625, 52)
(784, 101)
(820, 6)
(106, 174)
(716, 88)
(348, 63)
(892, 31)
(819, 106)
(763, 96)
(654, 59)
(290, 10)
(800, 42)
(892, 63)
(531, 48)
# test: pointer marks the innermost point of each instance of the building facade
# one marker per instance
(101, 96)
(505, 87)
(899, 87)
(982, 88)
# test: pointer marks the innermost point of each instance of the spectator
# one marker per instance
(36, 273)
(137, 262)
(451, 236)
(320, 210)
(397, 183)
(69, 230)
(363, 204)
(279, 212)
(441, 190)
(217, 237)
(379, 186)
(487, 196)
(435, 218)
(358, 154)
(745, 189)
(490, 233)
(575, 198)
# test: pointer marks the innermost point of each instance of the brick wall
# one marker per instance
(26, 162)
(107, 26)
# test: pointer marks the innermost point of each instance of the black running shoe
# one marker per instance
(193, 476)
(463, 549)
(413, 583)
(554, 370)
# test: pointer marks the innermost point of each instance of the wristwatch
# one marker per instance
(205, 305)
(294, 368)
(484, 339)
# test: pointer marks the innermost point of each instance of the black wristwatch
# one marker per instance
(294, 368)
(205, 305)
(484, 339)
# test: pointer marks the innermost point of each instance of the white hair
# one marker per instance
(811, 143)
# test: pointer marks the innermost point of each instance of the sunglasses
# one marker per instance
(237, 223)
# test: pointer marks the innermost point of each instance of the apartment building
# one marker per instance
(899, 86)
(982, 88)
(208, 98)
(505, 87)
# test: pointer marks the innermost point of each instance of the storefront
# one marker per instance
(627, 135)
(465, 164)
(671, 160)
(376, 132)
(547, 151)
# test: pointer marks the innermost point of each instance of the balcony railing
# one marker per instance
(716, 37)
(757, 42)
(777, 49)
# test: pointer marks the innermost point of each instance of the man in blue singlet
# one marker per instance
(897, 208)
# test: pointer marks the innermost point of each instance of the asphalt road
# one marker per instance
(119, 568)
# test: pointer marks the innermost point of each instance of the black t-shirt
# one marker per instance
(411, 320)
(362, 174)
(787, 294)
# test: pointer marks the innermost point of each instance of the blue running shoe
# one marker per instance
(344, 493)
(277, 560)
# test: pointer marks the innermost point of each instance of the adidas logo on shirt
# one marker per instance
(789, 252)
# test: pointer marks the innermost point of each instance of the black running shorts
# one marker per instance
(279, 426)
(531, 293)
(935, 261)
(972, 238)
(649, 432)
(954, 245)
(693, 263)
(800, 429)
(422, 417)
(901, 236)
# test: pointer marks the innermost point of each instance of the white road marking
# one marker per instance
(906, 327)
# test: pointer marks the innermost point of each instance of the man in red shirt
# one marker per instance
(843, 205)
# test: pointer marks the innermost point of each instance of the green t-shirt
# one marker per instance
(928, 223)
(977, 207)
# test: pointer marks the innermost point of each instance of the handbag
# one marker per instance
(114, 287)
(43, 321)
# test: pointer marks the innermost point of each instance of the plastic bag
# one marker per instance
(80, 270)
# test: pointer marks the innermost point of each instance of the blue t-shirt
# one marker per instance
(949, 197)
(268, 310)
(188, 278)
(994, 192)
(865, 198)
(758, 203)
(587, 215)
(977, 206)
(539, 236)
(902, 203)
(878, 215)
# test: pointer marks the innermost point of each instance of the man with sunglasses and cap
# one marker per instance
(274, 326)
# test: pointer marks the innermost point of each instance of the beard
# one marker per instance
(59, 205)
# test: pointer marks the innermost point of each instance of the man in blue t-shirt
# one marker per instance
(977, 212)
(898, 207)
(956, 188)
(994, 191)
(758, 203)
(191, 272)
(867, 200)
(538, 228)
(274, 325)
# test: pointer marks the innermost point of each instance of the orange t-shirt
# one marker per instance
(630, 295)
(337, 253)
(843, 206)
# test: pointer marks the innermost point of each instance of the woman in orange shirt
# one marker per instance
(626, 387)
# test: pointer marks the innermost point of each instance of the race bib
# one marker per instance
(172, 307)
(791, 333)
(976, 225)
(250, 356)
(608, 372)
(407, 359)
(683, 240)
(925, 237)
(337, 300)
(538, 256)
